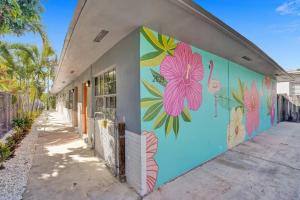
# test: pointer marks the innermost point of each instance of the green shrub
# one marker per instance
(28, 121)
(35, 114)
(18, 123)
(11, 143)
(18, 135)
(4, 154)
(24, 123)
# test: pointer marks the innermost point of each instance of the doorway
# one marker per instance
(75, 107)
(84, 107)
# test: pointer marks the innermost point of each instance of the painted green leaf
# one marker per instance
(237, 98)
(163, 40)
(152, 89)
(160, 120)
(159, 78)
(176, 125)
(171, 43)
(240, 107)
(153, 61)
(151, 38)
(152, 112)
(241, 88)
(168, 125)
(150, 55)
(186, 116)
(147, 102)
(171, 52)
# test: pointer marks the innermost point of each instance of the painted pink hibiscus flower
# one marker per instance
(272, 111)
(151, 165)
(183, 71)
(251, 100)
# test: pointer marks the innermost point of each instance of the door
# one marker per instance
(75, 107)
(84, 108)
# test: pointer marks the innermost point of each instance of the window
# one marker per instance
(296, 89)
(66, 100)
(70, 99)
(105, 93)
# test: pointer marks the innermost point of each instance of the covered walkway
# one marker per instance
(64, 168)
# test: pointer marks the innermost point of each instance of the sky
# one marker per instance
(56, 18)
(273, 25)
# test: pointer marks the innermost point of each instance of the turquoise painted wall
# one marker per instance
(196, 105)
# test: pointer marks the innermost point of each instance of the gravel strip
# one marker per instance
(9, 133)
(13, 178)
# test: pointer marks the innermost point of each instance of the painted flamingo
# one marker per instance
(213, 85)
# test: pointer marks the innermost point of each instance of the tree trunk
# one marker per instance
(33, 104)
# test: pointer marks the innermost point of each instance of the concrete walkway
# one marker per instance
(266, 168)
(64, 168)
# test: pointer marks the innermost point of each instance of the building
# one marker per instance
(187, 86)
(289, 92)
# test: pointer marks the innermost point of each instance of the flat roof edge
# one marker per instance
(77, 13)
(196, 8)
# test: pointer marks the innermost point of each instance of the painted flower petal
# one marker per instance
(169, 68)
(194, 95)
(174, 97)
(247, 99)
(251, 121)
(197, 67)
(151, 145)
(151, 165)
(152, 169)
(183, 51)
(251, 102)
(235, 129)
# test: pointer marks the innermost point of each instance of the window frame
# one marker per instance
(103, 81)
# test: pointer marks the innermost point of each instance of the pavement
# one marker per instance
(65, 168)
(264, 168)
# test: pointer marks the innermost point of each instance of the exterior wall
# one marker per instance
(124, 57)
(196, 105)
(283, 88)
(135, 147)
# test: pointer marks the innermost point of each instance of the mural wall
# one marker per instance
(196, 105)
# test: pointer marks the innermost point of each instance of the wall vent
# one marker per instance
(246, 58)
(101, 35)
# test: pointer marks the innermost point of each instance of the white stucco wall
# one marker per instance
(283, 88)
(135, 161)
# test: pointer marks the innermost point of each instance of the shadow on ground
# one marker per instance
(264, 168)
(65, 168)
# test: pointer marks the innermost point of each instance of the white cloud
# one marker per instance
(291, 7)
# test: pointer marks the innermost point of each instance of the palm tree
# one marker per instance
(29, 67)
(43, 62)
